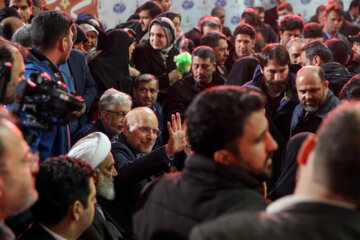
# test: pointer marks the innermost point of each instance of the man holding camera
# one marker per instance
(52, 39)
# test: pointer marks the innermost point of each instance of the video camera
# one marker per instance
(46, 103)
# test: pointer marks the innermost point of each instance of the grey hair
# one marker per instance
(296, 40)
(112, 96)
(23, 36)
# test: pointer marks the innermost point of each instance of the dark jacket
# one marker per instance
(271, 17)
(180, 95)
(337, 75)
(354, 66)
(242, 71)
(110, 68)
(35, 231)
(306, 220)
(133, 173)
(285, 183)
(96, 126)
(83, 82)
(171, 205)
(342, 37)
(309, 122)
(103, 228)
(148, 60)
(348, 28)
(348, 16)
(279, 109)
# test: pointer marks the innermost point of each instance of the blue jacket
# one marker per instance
(49, 144)
(279, 109)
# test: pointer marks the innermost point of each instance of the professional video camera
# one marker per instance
(45, 103)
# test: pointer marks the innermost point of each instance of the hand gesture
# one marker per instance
(177, 140)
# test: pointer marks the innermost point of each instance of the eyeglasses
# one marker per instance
(119, 113)
(148, 130)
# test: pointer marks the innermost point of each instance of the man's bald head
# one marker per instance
(140, 129)
(312, 87)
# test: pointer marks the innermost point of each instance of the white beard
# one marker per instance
(104, 188)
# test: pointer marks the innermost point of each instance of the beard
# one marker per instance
(105, 188)
(266, 172)
(309, 109)
(315, 103)
(275, 87)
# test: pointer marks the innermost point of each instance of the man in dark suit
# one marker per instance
(135, 161)
(353, 13)
(95, 150)
(78, 78)
(326, 199)
(65, 208)
(347, 27)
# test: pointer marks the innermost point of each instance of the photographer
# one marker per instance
(52, 40)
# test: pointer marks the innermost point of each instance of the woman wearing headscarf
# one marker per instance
(156, 56)
(242, 71)
(110, 68)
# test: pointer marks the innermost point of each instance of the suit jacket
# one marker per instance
(100, 229)
(96, 126)
(305, 220)
(348, 17)
(348, 28)
(35, 231)
(83, 82)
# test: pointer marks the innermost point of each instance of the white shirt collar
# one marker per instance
(55, 235)
(291, 200)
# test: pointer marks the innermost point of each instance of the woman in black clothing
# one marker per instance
(110, 68)
(156, 56)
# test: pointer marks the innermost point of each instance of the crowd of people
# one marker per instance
(255, 138)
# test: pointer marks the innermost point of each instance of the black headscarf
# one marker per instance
(110, 68)
(242, 71)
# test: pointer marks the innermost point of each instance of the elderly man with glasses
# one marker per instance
(135, 161)
(113, 106)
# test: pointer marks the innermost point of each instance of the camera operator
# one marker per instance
(10, 54)
(52, 40)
